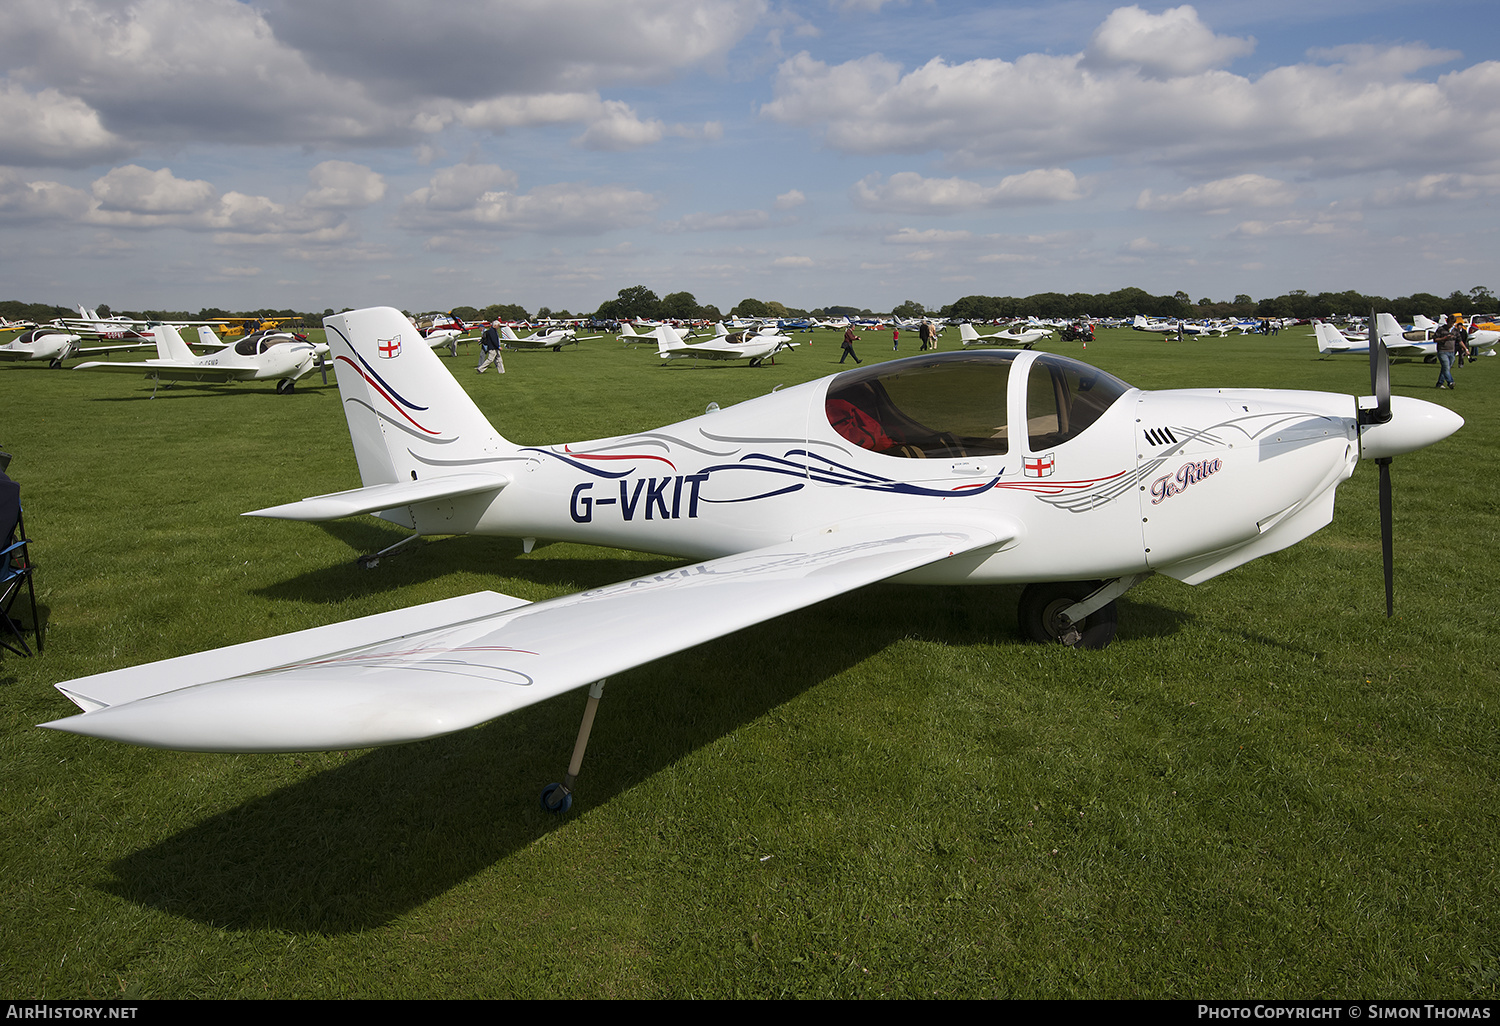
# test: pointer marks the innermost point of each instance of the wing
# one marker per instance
(168, 371)
(374, 498)
(446, 666)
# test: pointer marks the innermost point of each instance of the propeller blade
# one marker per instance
(323, 366)
(1386, 533)
(1380, 374)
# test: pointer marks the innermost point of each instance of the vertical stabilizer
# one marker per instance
(408, 418)
(169, 344)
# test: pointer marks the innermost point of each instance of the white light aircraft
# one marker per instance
(1415, 344)
(1023, 339)
(757, 348)
(44, 343)
(267, 356)
(947, 468)
(554, 339)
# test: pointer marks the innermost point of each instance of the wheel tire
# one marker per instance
(558, 806)
(284, 386)
(1040, 604)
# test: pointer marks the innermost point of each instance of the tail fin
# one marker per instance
(628, 331)
(1422, 323)
(169, 344)
(1329, 339)
(206, 336)
(667, 340)
(1388, 329)
(507, 333)
(408, 418)
(967, 333)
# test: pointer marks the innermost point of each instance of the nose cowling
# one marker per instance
(1414, 424)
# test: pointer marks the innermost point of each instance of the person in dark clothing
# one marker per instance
(1450, 339)
(489, 350)
(848, 344)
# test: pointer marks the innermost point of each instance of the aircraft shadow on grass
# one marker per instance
(361, 844)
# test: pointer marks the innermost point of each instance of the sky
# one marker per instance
(183, 154)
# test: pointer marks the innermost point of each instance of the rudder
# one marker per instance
(408, 418)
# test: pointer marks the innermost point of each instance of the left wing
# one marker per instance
(445, 666)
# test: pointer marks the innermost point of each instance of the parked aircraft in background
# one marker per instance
(743, 345)
(1021, 339)
(554, 339)
(267, 356)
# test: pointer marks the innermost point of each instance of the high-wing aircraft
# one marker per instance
(741, 345)
(1023, 339)
(997, 466)
(265, 356)
(554, 339)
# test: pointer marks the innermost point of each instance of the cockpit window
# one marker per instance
(948, 406)
(1064, 397)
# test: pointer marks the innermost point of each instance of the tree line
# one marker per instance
(638, 302)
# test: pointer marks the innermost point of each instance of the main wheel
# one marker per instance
(1040, 609)
(556, 799)
(284, 386)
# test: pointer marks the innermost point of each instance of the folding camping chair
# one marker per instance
(16, 571)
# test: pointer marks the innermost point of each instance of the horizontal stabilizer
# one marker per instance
(374, 498)
(380, 681)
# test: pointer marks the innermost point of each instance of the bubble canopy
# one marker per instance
(955, 405)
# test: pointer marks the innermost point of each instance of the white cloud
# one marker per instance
(910, 193)
(730, 220)
(1162, 45)
(338, 184)
(790, 199)
(48, 128)
(477, 196)
(135, 190)
(1219, 197)
(102, 78)
(1046, 110)
(927, 237)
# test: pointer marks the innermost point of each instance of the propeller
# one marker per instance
(1380, 385)
(322, 365)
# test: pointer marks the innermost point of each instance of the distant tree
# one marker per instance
(466, 313)
(909, 309)
(636, 301)
(751, 308)
(680, 306)
(502, 312)
(1242, 300)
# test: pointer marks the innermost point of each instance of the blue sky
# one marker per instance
(197, 153)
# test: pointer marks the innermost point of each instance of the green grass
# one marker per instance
(1263, 789)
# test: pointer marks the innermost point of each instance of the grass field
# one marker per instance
(1264, 788)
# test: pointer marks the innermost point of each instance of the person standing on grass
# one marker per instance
(489, 350)
(925, 334)
(1448, 338)
(848, 343)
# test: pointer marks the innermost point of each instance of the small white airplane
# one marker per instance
(1000, 466)
(553, 339)
(1022, 339)
(1151, 324)
(265, 356)
(743, 345)
(1416, 343)
(47, 342)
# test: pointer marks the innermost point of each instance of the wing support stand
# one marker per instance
(371, 561)
(558, 798)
